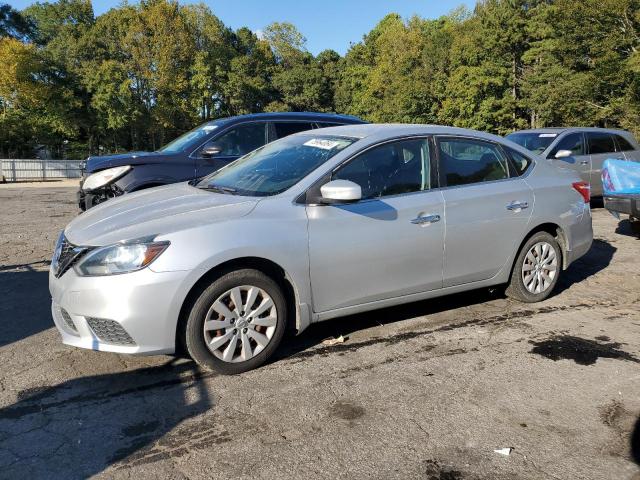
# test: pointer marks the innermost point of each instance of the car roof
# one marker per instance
(311, 116)
(376, 131)
(560, 130)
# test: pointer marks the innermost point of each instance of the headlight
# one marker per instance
(104, 177)
(120, 258)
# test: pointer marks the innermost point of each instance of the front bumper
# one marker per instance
(134, 313)
(629, 204)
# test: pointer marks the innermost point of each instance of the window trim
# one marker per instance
(224, 131)
(311, 194)
(443, 182)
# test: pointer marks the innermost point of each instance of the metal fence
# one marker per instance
(19, 170)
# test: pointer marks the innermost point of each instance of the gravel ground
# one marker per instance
(428, 390)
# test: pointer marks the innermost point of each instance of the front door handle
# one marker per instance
(517, 205)
(584, 162)
(425, 219)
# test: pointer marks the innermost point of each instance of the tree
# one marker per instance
(140, 74)
(12, 23)
(288, 44)
(249, 88)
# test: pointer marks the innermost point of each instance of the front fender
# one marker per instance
(264, 233)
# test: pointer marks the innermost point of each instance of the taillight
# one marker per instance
(584, 189)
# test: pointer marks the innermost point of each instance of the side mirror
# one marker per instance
(340, 191)
(210, 151)
(563, 154)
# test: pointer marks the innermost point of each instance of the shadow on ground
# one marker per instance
(26, 306)
(345, 326)
(635, 443)
(597, 258)
(624, 228)
(78, 428)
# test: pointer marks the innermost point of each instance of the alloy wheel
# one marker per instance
(540, 267)
(240, 323)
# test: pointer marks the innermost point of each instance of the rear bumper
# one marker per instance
(629, 204)
(579, 236)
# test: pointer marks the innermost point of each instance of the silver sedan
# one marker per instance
(315, 226)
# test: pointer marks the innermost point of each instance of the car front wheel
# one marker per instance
(537, 269)
(237, 323)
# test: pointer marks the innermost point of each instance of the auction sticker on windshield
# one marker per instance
(322, 143)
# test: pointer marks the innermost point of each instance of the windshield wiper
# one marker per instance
(220, 189)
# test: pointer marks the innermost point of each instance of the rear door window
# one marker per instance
(466, 161)
(600, 142)
(284, 129)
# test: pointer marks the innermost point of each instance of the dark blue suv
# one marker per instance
(195, 154)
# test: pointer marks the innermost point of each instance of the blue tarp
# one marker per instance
(620, 177)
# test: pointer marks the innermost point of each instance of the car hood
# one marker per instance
(94, 164)
(155, 211)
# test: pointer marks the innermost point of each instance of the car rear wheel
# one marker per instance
(537, 269)
(634, 222)
(237, 322)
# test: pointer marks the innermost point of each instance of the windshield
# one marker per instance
(535, 142)
(190, 139)
(274, 168)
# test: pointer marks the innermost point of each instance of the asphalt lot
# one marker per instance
(427, 390)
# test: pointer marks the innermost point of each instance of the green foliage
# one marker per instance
(139, 74)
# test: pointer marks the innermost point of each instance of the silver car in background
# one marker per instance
(582, 149)
(315, 226)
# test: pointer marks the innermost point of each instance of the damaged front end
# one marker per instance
(86, 200)
(100, 186)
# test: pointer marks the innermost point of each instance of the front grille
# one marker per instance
(67, 320)
(67, 256)
(109, 331)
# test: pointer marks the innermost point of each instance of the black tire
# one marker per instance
(517, 288)
(194, 330)
(634, 223)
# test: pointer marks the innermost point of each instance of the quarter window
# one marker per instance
(241, 139)
(390, 169)
(600, 142)
(623, 144)
(520, 162)
(284, 129)
(465, 161)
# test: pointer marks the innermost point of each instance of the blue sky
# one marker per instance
(331, 24)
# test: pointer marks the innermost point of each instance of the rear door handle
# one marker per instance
(584, 162)
(425, 219)
(517, 205)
